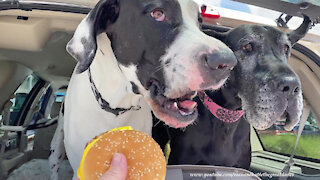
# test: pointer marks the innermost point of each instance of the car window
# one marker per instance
(278, 140)
(254, 10)
(60, 96)
(19, 98)
(11, 118)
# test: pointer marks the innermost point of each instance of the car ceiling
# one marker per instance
(295, 8)
(35, 45)
(51, 61)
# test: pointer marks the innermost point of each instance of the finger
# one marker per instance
(118, 168)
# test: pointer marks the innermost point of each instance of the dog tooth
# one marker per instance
(182, 113)
(194, 94)
(175, 105)
(185, 113)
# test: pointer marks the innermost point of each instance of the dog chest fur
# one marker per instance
(114, 88)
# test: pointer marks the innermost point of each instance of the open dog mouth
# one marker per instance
(182, 109)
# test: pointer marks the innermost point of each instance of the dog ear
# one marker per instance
(215, 34)
(301, 31)
(83, 45)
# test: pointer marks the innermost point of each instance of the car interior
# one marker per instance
(35, 70)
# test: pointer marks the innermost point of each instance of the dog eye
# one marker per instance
(247, 47)
(158, 15)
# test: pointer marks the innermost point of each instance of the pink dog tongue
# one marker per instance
(187, 104)
(219, 112)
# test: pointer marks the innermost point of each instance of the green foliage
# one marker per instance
(312, 120)
(308, 145)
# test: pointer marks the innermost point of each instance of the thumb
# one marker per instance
(118, 169)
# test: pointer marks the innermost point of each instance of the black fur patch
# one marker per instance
(102, 102)
(62, 110)
(51, 151)
(60, 157)
(135, 88)
(147, 38)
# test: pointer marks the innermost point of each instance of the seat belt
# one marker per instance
(285, 171)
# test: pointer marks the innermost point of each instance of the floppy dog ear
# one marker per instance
(215, 34)
(301, 31)
(83, 45)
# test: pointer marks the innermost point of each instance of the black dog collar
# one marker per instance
(103, 103)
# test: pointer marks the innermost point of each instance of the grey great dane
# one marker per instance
(136, 57)
(262, 86)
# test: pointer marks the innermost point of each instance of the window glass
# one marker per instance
(60, 96)
(17, 101)
(276, 139)
(20, 96)
(252, 10)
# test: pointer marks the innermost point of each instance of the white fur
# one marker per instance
(84, 118)
(57, 149)
(187, 49)
(113, 84)
(130, 73)
(82, 32)
(219, 84)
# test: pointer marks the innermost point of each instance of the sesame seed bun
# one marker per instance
(144, 156)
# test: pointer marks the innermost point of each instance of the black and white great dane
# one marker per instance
(136, 57)
(262, 86)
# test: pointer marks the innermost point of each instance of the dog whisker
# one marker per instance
(183, 129)
(161, 67)
(194, 123)
(156, 123)
(226, 83)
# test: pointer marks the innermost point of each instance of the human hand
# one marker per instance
(118, 169)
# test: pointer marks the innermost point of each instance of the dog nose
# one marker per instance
(289, 85)
(221, 60)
